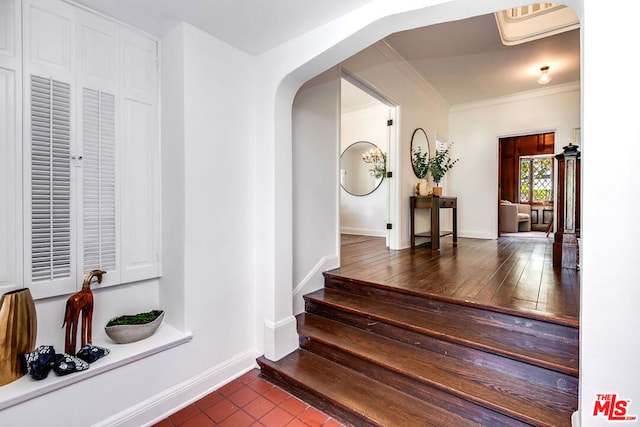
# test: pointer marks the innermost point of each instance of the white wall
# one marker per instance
(611, 147)
(611, 144)
(380, 68)
(609, 290)
(208, 286)
(367, 214)
(608, 295)
(172, 291)
(475, 129)
(315, 112)
(282, 71)
(220, 169)
(316, 147)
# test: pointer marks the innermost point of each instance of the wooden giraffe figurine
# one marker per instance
(80, 302)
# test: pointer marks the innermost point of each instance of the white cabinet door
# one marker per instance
(98, 46)
(10, 154)
(98, 220)
(49, 38)
(10, 46)
(90, 120)
(98, 94)
(139, 160)
(48, 146)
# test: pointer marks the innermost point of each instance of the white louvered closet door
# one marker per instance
(90, 150)
(51, 249)
(98, 181)
(49, 134)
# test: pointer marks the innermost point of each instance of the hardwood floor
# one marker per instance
(414, 338)
(485, 332)
(511, 272)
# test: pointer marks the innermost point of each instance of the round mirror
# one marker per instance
(363, 166)
(419, 152)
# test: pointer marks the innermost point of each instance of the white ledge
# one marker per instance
(27, 388)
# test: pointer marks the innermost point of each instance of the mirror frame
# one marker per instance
(413, 142)
(378, 181)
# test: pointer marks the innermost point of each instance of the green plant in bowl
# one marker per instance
(133, 327)
(135, 319)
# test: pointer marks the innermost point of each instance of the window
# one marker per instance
(536, 179)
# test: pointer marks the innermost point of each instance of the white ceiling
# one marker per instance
(253, 26)
(464, 60)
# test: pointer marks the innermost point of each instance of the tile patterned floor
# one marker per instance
(249, 401)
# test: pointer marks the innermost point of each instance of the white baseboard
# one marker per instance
(364, 231)
(477, 234)
(468, 234)
(280, 338)
(160, 406)
(575, 419)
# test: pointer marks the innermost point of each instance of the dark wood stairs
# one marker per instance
(374, 355)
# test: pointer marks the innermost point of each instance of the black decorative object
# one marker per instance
(44, 358)
(66, 364)
(90, 353)
(40, 361)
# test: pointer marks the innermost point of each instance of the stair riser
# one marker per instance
(539, 375)
(527, 325)
(314, 398)
(413, 387)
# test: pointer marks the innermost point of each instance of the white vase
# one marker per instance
(423, 187)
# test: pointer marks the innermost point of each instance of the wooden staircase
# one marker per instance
(376, 355)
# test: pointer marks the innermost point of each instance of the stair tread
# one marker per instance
(560, 325)
(542, 351)
(498, 391)
(372, 401)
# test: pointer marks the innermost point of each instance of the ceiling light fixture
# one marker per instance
(545, 77)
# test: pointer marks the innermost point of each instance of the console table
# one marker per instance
(434, 203)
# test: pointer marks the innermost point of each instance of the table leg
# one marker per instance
(413, 230)
(455, 225)
(435, 224)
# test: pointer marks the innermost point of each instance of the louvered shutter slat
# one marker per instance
(99, 223)
(50, 179)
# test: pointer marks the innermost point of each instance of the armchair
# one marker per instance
(514, 217)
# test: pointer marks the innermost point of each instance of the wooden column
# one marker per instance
(565, 242)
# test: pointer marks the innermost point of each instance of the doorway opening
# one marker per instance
(367, 156)
(526, 184)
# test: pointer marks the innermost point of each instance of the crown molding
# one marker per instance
(518, 96)
(410, 72)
